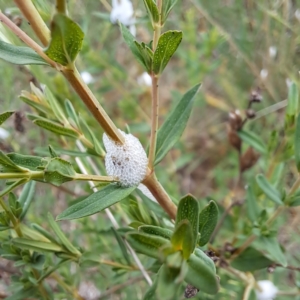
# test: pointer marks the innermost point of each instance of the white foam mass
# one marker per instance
(268, 290)
(127, 162)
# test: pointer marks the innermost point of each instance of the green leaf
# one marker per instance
(96, 202)
(253, 210)
(56, 108)
(208, 219)
(152, 11)
(155, 230)
(150, 294)
(297, 143)
(56, 127)
(7, 165)
(167, 288)
(27, 161)
(174, 125)
(167, 45)
(271, 245)
(253, 140)
(188, 209)
(167, 6)
(44, 233)
(146, 243)
(12, 186)
(61, 236)
(52, 152)
(36, 245)
(268, 189)
(251, 260)
(66, 40)
(205, 259)
(72, 113)
(122, 246)
(201, 276)
(23, 294)
(20, 55)
(59, 171)
(183, 239)
(141, 51)
(292, 105)
(26, 197)
(4, 116)
(36, 105)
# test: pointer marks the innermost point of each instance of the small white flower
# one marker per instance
(272, 51)
(268, 290)
(4, 134)
(144, 79)
(127, 162)
(87, 77)
(264, 73)
(88, 290)
(146, 192)
(122, 11)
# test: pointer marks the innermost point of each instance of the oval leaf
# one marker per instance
(36, 245)
(268, 189)
(201, 276)
(96, 202)
(166, 47)
(66, 40)
(174, 125)
(152, 11)
(208, 219)
(155, 230)
(188, 209)
(253, 210)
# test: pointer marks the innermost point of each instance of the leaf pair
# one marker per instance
(157, 61)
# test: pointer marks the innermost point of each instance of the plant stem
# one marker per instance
(92, 103)
(71, 75)
(37, 23)
(26, 39)
(154, 121)
(61, 6)
(18, 175)
(160, 195)
(11, 217)
(94, 178)
(155, 93)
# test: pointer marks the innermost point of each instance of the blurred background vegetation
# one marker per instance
(234, 47)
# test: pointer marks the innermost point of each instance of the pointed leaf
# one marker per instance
(96, 202)
(188, 209)
(36, 245)
(63, 239)
(201, 276)
(174, 125)
(72, 113)
(253, 140)
(4, 116)
(152, 11)
(7, 165)
(167, 6)
(268, 189)
(12, 186)
(208, 219)
(253, 210)
(122, 246)
(66, 40)
(20, 55)
(56, 128)
(166, 47)
(26, 197)
(155, 230)
(146, 244)
(27, 161)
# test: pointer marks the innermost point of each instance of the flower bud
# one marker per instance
(250, 113)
